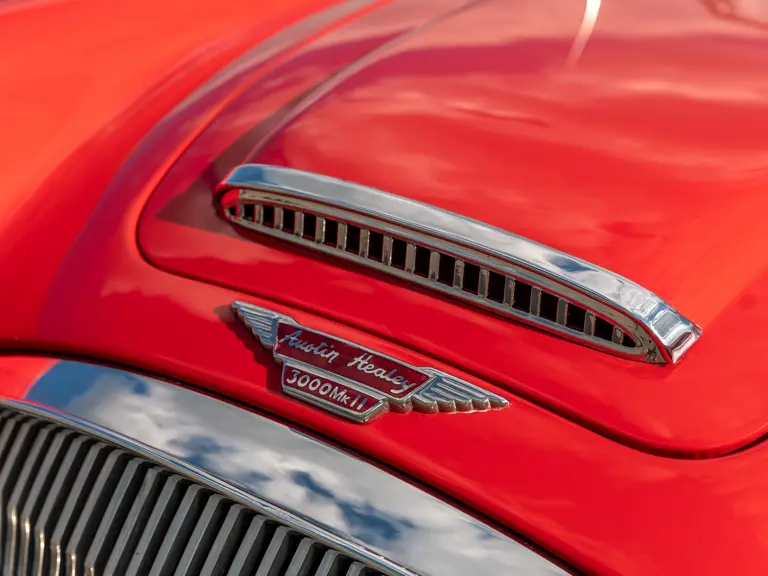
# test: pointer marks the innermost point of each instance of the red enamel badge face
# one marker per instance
(353, 381)
(390, 377)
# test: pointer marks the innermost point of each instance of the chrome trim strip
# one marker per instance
(347, 503)
(458, 274)
(663, 334)
(365, 236)
(386, 251)
(509, 292)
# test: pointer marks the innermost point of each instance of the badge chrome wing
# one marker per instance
(354, 381)
(261, 322)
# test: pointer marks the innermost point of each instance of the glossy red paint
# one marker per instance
(606, 156)
(17, 373)
(81, 83)
(602, 506)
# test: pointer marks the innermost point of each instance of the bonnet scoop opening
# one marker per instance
(460, 257)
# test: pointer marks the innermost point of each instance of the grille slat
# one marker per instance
(225, 545)
(589, 324)
(410, 257)
(458, 275)
(99, 497)
(386, 251)
(44, 484)
(129, 536)
(434, 265)
(341, 242)
(18, 497)
(509, 291)
(277, 553)
(562, 310)
(468, 279)
(21, 437)
(278, 223)
(157, 526)
(320, 230)
(306, 558)
(251, 548)
(114, 516)
(73, 505)
(356, 569)
(178, 534)
(202, 537)
(333, 564)
(535, 303)
(55, 502)
(365, 238)
(484, 280)
(298, 224)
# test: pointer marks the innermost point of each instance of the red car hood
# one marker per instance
(631, 138)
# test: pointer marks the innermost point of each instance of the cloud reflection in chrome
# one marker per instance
(288, 468)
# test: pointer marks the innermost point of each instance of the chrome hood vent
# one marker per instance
(460, 257)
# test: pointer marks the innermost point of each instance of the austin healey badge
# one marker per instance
(352, 381)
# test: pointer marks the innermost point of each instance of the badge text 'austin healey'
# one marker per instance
(352, 381)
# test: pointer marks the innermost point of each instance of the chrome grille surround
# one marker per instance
(103, 471)
(74, 504)
(460, 257)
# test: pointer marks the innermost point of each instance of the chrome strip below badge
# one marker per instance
(353, 381)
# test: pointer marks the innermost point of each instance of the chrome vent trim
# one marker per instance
(460, 257)
(73, 504)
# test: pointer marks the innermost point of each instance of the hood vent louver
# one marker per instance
(460, 257)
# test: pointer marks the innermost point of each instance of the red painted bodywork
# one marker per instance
(638, 145)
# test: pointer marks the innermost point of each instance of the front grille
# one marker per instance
(467, 279)
(73, 504)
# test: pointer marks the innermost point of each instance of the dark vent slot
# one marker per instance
(575, 318)
(603, 330)
(353, 239)
(471, 278)
(331, 232)
(496, 287)
(522, 297)
(310, 225)
(268, 216)
(548, 306)
(398, 253)
(289, 220)
(232, 211)
(446, 269)
(627, 341)
(421, 266)
(249, 212)
(376, 246)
